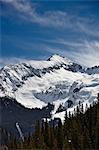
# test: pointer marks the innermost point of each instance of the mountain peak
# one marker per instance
(40, 82)
(59, 58)
(56, 56)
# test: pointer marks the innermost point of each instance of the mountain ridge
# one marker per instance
(57, 80)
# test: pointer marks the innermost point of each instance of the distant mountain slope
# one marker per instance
(58, 80)
(11, 112)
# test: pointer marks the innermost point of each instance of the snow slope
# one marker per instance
(57, 80)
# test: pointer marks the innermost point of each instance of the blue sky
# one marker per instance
(38, 29)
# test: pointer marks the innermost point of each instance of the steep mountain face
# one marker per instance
(58, 80)
(12, 112)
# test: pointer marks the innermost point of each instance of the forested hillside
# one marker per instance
(79, 131)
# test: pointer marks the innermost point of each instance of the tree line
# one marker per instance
(80, 131)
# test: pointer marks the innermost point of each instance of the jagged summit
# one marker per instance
(58, 80)
(54, 55)
(54, 60)
(58, 58)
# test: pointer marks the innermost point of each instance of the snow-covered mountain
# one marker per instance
(58, 80)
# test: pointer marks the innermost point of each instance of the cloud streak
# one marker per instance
(85, 53)
(55, 19)
(11, 60)
(88, 54)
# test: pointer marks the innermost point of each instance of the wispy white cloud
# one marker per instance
(56, 18)
(88, 54)
(49, 18)
(11, 60)
(85, 53)
(86, 29)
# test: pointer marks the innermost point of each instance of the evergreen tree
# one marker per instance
(79, 131)
(60, 135)
(47, 134)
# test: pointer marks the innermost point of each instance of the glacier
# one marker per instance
(57, 80)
